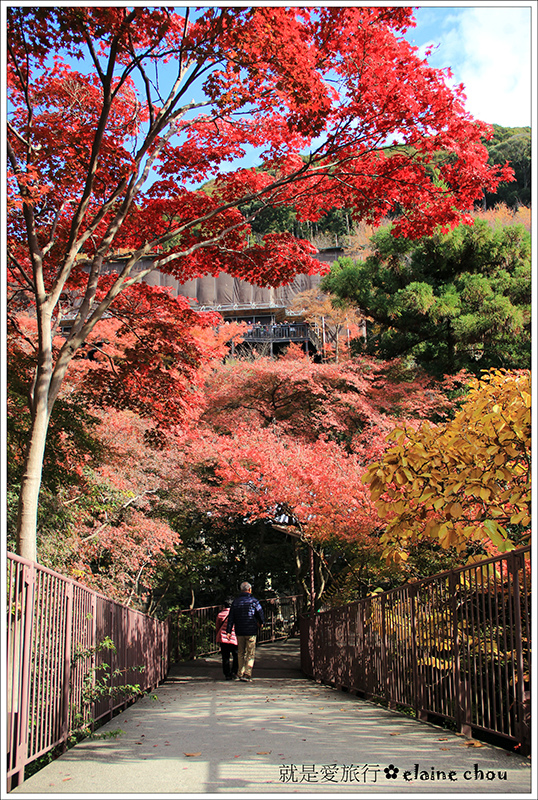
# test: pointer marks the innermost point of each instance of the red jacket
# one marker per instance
(221, 628)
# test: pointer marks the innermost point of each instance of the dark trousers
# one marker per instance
(226, 651)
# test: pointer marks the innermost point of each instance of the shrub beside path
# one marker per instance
(282, 733)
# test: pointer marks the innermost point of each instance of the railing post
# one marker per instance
(28, 576)
(462, 699)
(417, 694)
(521, 723)
(93, 662)
(193, 636)
(384, 665)
(67, 662)
(175, 637)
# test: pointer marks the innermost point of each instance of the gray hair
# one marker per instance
(245, 586)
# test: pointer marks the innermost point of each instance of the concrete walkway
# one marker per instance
(280, 734)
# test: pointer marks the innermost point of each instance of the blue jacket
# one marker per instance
(246, 614)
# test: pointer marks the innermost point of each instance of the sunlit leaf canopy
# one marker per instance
(340, 109)
(465, 480)
(333, 102)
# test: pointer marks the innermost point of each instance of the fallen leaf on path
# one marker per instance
(444, 748)
(192, 754)
(264, 752)
(394, 734)
(66, 779)
(471, 743)
(442, 740)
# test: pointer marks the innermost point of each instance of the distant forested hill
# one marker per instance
(512, 145)
(508, 144)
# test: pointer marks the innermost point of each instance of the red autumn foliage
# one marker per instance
(289, 440)
(116, 113)
(355, 403)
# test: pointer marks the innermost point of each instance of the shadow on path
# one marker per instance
(282, 733)
(273, 660)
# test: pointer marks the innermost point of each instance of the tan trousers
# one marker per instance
(246, 650)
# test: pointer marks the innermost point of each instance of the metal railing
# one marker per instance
(193, 631)
(56, 628)
(455, 646)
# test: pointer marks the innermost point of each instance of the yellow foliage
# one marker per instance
(465, 479)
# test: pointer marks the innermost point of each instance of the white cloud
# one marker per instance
(489, 50)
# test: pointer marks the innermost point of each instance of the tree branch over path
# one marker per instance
(118, 170)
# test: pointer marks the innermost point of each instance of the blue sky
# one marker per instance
(488, 47)
(486, 43)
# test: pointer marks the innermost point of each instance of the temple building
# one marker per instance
(272, 325)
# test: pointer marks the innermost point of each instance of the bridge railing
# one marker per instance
(453, 647)
(57, 636)
(193, 631)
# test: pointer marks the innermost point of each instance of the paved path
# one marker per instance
(279, 734)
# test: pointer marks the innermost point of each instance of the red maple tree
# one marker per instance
(355, 403)
(288, 441)
(116, 114)
(120, 541)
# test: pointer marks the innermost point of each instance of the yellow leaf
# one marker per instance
(517, 518)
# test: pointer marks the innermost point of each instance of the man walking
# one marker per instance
(246, 614)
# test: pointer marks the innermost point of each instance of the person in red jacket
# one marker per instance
(228, 643)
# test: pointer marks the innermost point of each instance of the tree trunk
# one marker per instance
(301, 572)
(30, 485)
(40, 408)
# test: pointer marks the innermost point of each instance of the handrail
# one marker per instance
(454, 647)
(56, 630)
